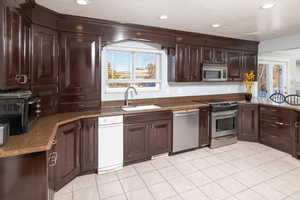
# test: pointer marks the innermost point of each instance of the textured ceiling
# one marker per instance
(239, 18)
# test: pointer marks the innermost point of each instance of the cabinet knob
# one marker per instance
(21, 79)
(53, 159)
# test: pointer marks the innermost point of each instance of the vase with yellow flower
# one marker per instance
(248, 83)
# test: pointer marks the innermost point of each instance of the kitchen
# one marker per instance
(97, 106)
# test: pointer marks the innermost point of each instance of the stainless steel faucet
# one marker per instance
(126, 94)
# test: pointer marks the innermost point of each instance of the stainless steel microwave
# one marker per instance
(215, 73)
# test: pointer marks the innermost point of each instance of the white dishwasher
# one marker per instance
(110, 144)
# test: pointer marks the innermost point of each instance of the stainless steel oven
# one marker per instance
(223, 124)
(214, 72)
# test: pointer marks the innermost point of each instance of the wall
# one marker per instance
(170, 89)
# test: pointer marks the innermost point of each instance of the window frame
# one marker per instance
(132, 80)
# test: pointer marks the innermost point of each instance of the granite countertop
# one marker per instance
(268, 102)
(42, 133)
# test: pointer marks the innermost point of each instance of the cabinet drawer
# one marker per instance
(146, 117)
(275, 114)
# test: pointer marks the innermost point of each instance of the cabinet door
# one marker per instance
(248, 129)
(219, 56)
(79, 71)
(207, 55)
(44, 56)
(234, 64)
(204, 138)
(89, 145)
(195, 64)
(250, 62)
(13, 47)
(160, 137)
(296, 138)
(67, 147)
(182, 63)
(135, 143)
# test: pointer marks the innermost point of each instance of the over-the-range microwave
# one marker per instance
(214, 72)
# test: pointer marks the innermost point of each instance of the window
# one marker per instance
(271, 78)
(132, 67)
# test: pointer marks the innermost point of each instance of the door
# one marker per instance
(204, 138)
(234, 64)
(195, 64)
(44, 71)
(224, 123)
(219, 56)
(68, 151)
(135, 143)
(89, 145)
(250, 62)
(182, 63)
(13, 47)
(248, 123)
(79, 72)
(160, 137)
(207, 55)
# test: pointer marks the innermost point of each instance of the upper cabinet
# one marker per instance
(185, 63)
(235, 65)
(250, 61)
(214, 55)
(17, 49)
(79, 72)
(44, 68)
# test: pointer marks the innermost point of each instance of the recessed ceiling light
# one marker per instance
(268, 5)
(83, 2)
(216, 25)
(163, 17)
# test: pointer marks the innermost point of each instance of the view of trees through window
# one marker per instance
(270, 78)
(132, 68)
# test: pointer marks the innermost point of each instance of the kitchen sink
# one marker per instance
(139, 108)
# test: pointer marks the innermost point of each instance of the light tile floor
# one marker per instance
(243, 171)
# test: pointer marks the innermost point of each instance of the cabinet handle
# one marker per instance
(279, 123)
(297, 124)
(22, 79)
(54, 142)
(53, 159)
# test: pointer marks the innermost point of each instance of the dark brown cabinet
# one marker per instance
(68, 151)
(296, 138)
(235, 65)
(214, 55)
(79, 72)
(250, 62)
(17, 50)
(248, 122)
(44, 71)
(160, 137)
(204, 137)
(187, 64)
(146, 135)
(135, 143)
(277, 127)
(89, 145)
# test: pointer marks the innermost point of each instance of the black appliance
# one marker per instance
(20, 109)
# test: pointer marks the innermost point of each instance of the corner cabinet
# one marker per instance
(235, 65)
(250, 62)
(146, 135)
(68, 151)
(248, 122)
(79, 72)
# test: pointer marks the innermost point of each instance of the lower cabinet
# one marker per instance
(146, 135)
(75, 151)
(296, 138)
(204, 137)
(89, 146)
(68, 149)
(277, 128)
(248, 129)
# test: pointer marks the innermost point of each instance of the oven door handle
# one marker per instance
(225, 114)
